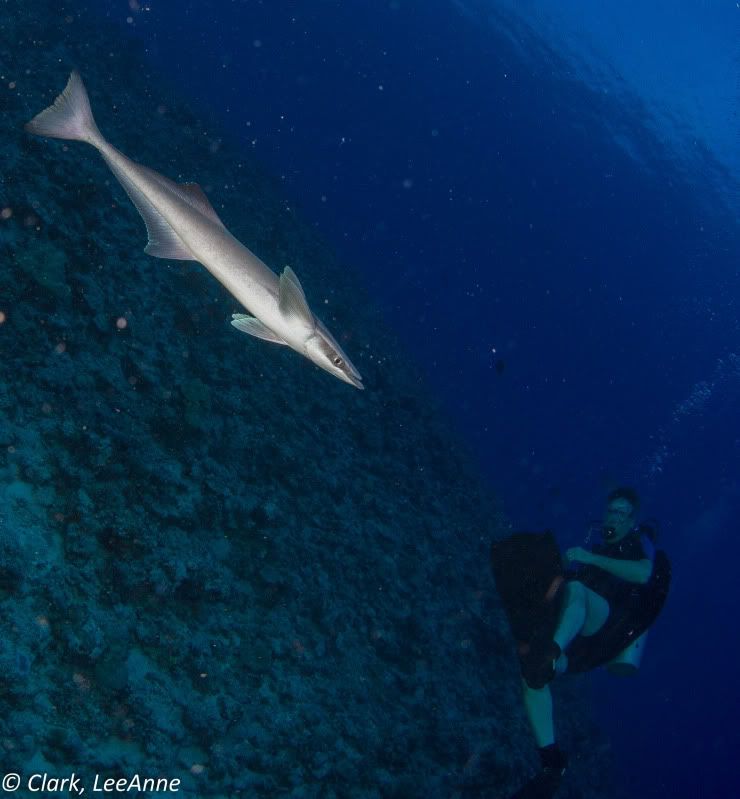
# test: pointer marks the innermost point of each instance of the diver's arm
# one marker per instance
(633, 571)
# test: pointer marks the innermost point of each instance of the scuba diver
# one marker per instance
(594, 614)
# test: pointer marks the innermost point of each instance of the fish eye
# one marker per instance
(337, 361)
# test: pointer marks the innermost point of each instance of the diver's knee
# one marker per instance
(597, 612)
(575, 594)
(575, 588)
(561, 664)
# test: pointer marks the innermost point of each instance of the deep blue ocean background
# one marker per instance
(543, 201)
(511, 208)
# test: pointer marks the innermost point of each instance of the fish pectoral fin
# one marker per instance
(291, 299)
(253, 326)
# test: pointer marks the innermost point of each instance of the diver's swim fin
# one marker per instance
(546, 782)
(542, 786)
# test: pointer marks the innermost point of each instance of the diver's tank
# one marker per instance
(628, 661)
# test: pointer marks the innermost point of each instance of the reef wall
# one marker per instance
(217, 562)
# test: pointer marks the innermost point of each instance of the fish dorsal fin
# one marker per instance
(253, 326)
(195, 196)
(292, 300)
(191, 193)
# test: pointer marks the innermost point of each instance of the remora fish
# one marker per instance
(183, 226)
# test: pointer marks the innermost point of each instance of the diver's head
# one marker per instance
(620, 516)
(324, 351)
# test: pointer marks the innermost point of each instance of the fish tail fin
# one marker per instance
(69, 117)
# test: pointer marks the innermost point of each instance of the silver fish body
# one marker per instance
(182, 225)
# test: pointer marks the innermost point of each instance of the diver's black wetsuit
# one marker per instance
(619, 593)
(632, 606)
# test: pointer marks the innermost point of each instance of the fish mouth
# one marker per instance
(352, 376)
(353, 379)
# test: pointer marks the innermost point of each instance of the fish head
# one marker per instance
(323, 350)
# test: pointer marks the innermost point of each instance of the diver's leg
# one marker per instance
(538, 706)
(545, 656)
(597, 612)
(572, 614)
(583, 613)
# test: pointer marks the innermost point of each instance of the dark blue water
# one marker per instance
(565, 276)
(564, 296)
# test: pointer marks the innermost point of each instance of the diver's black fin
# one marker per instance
(542, 786)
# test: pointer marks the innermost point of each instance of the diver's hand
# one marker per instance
(578, 555)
